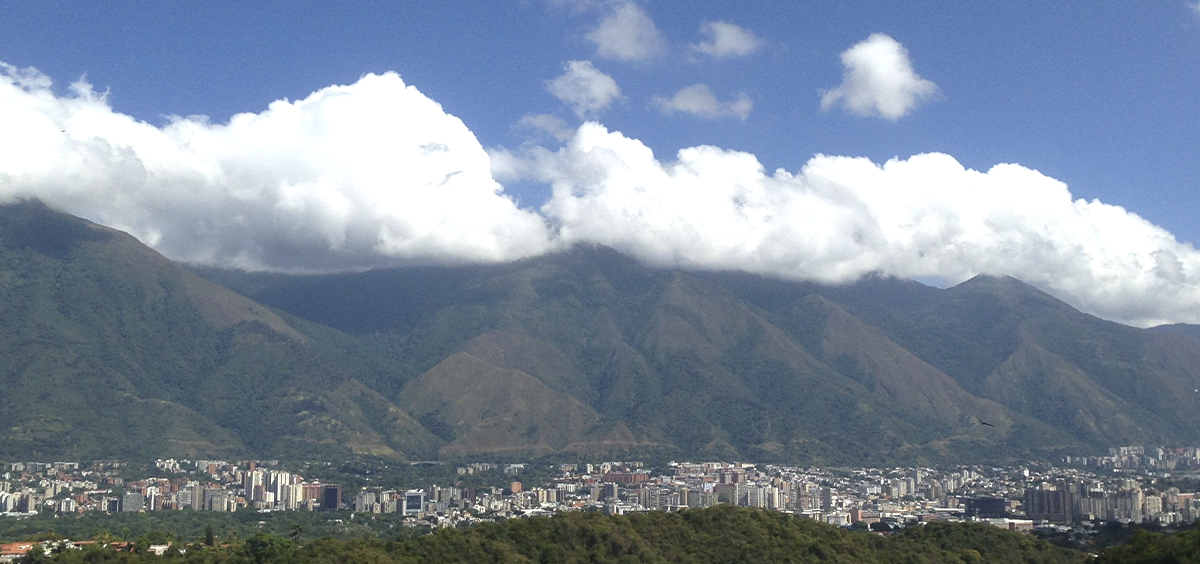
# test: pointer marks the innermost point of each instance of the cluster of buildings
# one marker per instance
(1062, 500)
(1140, 458)
(1131, 485)
(1019, 498)
(65, 487)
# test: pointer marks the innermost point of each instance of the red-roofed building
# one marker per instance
(13, 551)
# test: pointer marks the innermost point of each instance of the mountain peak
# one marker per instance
(1007, 290)
(32, 225)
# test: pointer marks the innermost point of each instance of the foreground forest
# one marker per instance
(719, 534)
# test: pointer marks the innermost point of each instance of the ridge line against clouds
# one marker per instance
(375, 174)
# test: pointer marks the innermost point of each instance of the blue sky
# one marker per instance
(1098, 95)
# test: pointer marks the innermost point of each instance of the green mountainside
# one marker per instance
(733, 365)
(109, 349)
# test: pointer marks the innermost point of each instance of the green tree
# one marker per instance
(156, 536)
(36, 555)
(104, 537)
(264, 547)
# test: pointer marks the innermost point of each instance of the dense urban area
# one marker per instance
(1131, 484)
(1078, 497)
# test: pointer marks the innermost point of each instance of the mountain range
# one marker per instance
(108, 349)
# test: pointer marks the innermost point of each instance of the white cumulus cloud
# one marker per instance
(627, 33)
(724, 40)
(840, 218)
(357, 176)
(698, 100)
(879, 80)
(583, 87)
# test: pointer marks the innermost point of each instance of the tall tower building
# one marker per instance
(331, 497)
(252, 481)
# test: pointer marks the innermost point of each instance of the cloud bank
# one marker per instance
(350, 177)
(879, 81)
(840, 218)
(376, 174)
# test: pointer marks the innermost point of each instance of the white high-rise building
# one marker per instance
(252, 481)
(295, 495)
(279, 483)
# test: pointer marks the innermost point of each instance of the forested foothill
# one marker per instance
(719, 534)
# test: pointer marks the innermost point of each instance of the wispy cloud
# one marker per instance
(552, 125)
(879, 80)
(578, 6)
(583, 87)
(627, 33)
(723, 40)
(699, 101)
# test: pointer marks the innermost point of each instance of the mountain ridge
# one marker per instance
(576, 354)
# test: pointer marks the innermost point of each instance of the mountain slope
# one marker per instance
(109, 349)
(893, 372)
(729, 364)
(497, 411)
